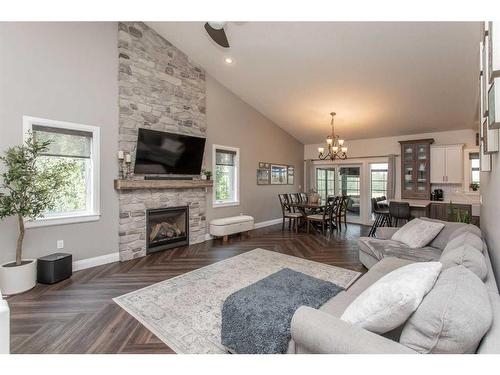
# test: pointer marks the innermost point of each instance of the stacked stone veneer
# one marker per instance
(159, 89)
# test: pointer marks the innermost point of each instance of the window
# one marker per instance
(325, 182)
(378, 180)
(226, 171)
(77, 145)
(475, 167)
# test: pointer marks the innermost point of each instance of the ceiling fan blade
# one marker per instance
(218, 36)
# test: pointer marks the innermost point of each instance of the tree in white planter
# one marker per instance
(26, 190)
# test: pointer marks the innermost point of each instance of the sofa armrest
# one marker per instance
(385, 233)
(318, 332)
(4, 327)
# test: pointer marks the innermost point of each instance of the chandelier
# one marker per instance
(336, 148)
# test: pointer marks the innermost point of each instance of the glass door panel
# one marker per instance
(408, 177)
(408, 153)
(325, 182)
(422, 176)
(349, 182)
(422, 152)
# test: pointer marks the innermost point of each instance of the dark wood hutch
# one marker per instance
(416, 168)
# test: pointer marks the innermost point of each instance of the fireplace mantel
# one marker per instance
(162, 184)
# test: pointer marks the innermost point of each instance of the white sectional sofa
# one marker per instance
(4, 326)
(322, 330)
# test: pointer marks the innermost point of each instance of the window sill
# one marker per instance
(225, 204)
(61, 220)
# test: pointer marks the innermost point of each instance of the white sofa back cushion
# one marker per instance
(389, 302)
(453, 317)
(417, 233)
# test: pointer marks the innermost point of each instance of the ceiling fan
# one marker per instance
(217, 33)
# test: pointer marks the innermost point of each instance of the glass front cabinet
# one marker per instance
(415, 169)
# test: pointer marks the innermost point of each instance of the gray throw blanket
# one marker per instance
(256, 319)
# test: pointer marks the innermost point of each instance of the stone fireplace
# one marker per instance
(160, 88)
(166, 228)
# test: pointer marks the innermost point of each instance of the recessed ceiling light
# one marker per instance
(228, 60)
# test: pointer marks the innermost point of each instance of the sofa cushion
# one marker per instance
(466, 228)
(441, 240)
(467, 256)
(465, 238)
(380, 249)
(417, 233)
(389, 302)
(453, 317)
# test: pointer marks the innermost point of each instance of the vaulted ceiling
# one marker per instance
(382, 78)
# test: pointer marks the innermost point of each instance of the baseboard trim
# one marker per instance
(96, 261)
(268, 223)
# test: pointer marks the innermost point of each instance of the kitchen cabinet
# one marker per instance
(442, 211)
(447, 164)
(415, 169)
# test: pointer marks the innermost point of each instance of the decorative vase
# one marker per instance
(314, 197)
(203, 177)
(17, 279)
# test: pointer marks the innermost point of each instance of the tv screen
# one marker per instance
(167, 153)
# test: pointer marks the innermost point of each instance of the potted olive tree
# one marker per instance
(26, 192)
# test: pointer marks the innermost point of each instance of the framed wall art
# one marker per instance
(291, 175)
(279, 174)
(263, 176)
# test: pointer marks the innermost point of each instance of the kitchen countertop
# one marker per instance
(473, 200)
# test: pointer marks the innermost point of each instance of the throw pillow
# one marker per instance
(467, 256)
(389, 302)
(453, 317)
(417, 233)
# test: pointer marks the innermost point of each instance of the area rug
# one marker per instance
(185, 311)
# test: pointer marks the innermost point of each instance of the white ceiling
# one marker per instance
(382, 78)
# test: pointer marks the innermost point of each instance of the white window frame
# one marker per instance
(94, 213)
(236, 202)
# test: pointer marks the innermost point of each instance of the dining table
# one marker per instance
(309, 208)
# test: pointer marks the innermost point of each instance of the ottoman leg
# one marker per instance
(225, 239)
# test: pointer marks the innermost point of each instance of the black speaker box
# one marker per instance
(54, 268)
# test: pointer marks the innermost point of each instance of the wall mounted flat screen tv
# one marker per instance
(167, 153)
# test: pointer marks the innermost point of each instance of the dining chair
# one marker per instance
(303, 197)
(341, 213)
(293, 217)
(325, 217)
(399, 211)
(382, 216)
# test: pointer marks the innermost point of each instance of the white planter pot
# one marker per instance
(17, 279)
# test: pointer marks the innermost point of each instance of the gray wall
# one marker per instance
(490, 211)
(68, 72)
(232, 122)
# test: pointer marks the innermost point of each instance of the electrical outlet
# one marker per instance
(60, 244)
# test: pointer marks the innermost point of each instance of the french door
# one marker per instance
(341, 180)
(325, 182)
(349, 178)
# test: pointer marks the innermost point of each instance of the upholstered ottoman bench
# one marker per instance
(230, 225)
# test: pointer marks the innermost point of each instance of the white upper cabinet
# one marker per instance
(447, 164)
(438, 164)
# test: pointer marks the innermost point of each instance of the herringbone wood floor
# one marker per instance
(78, 315)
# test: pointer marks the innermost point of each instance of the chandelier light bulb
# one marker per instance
(321, 150)
(329, 140)
(344, 149)
(341, 142)
(335, 148)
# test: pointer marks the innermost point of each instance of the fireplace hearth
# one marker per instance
(167, 228)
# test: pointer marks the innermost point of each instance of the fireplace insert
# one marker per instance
(167, 228)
